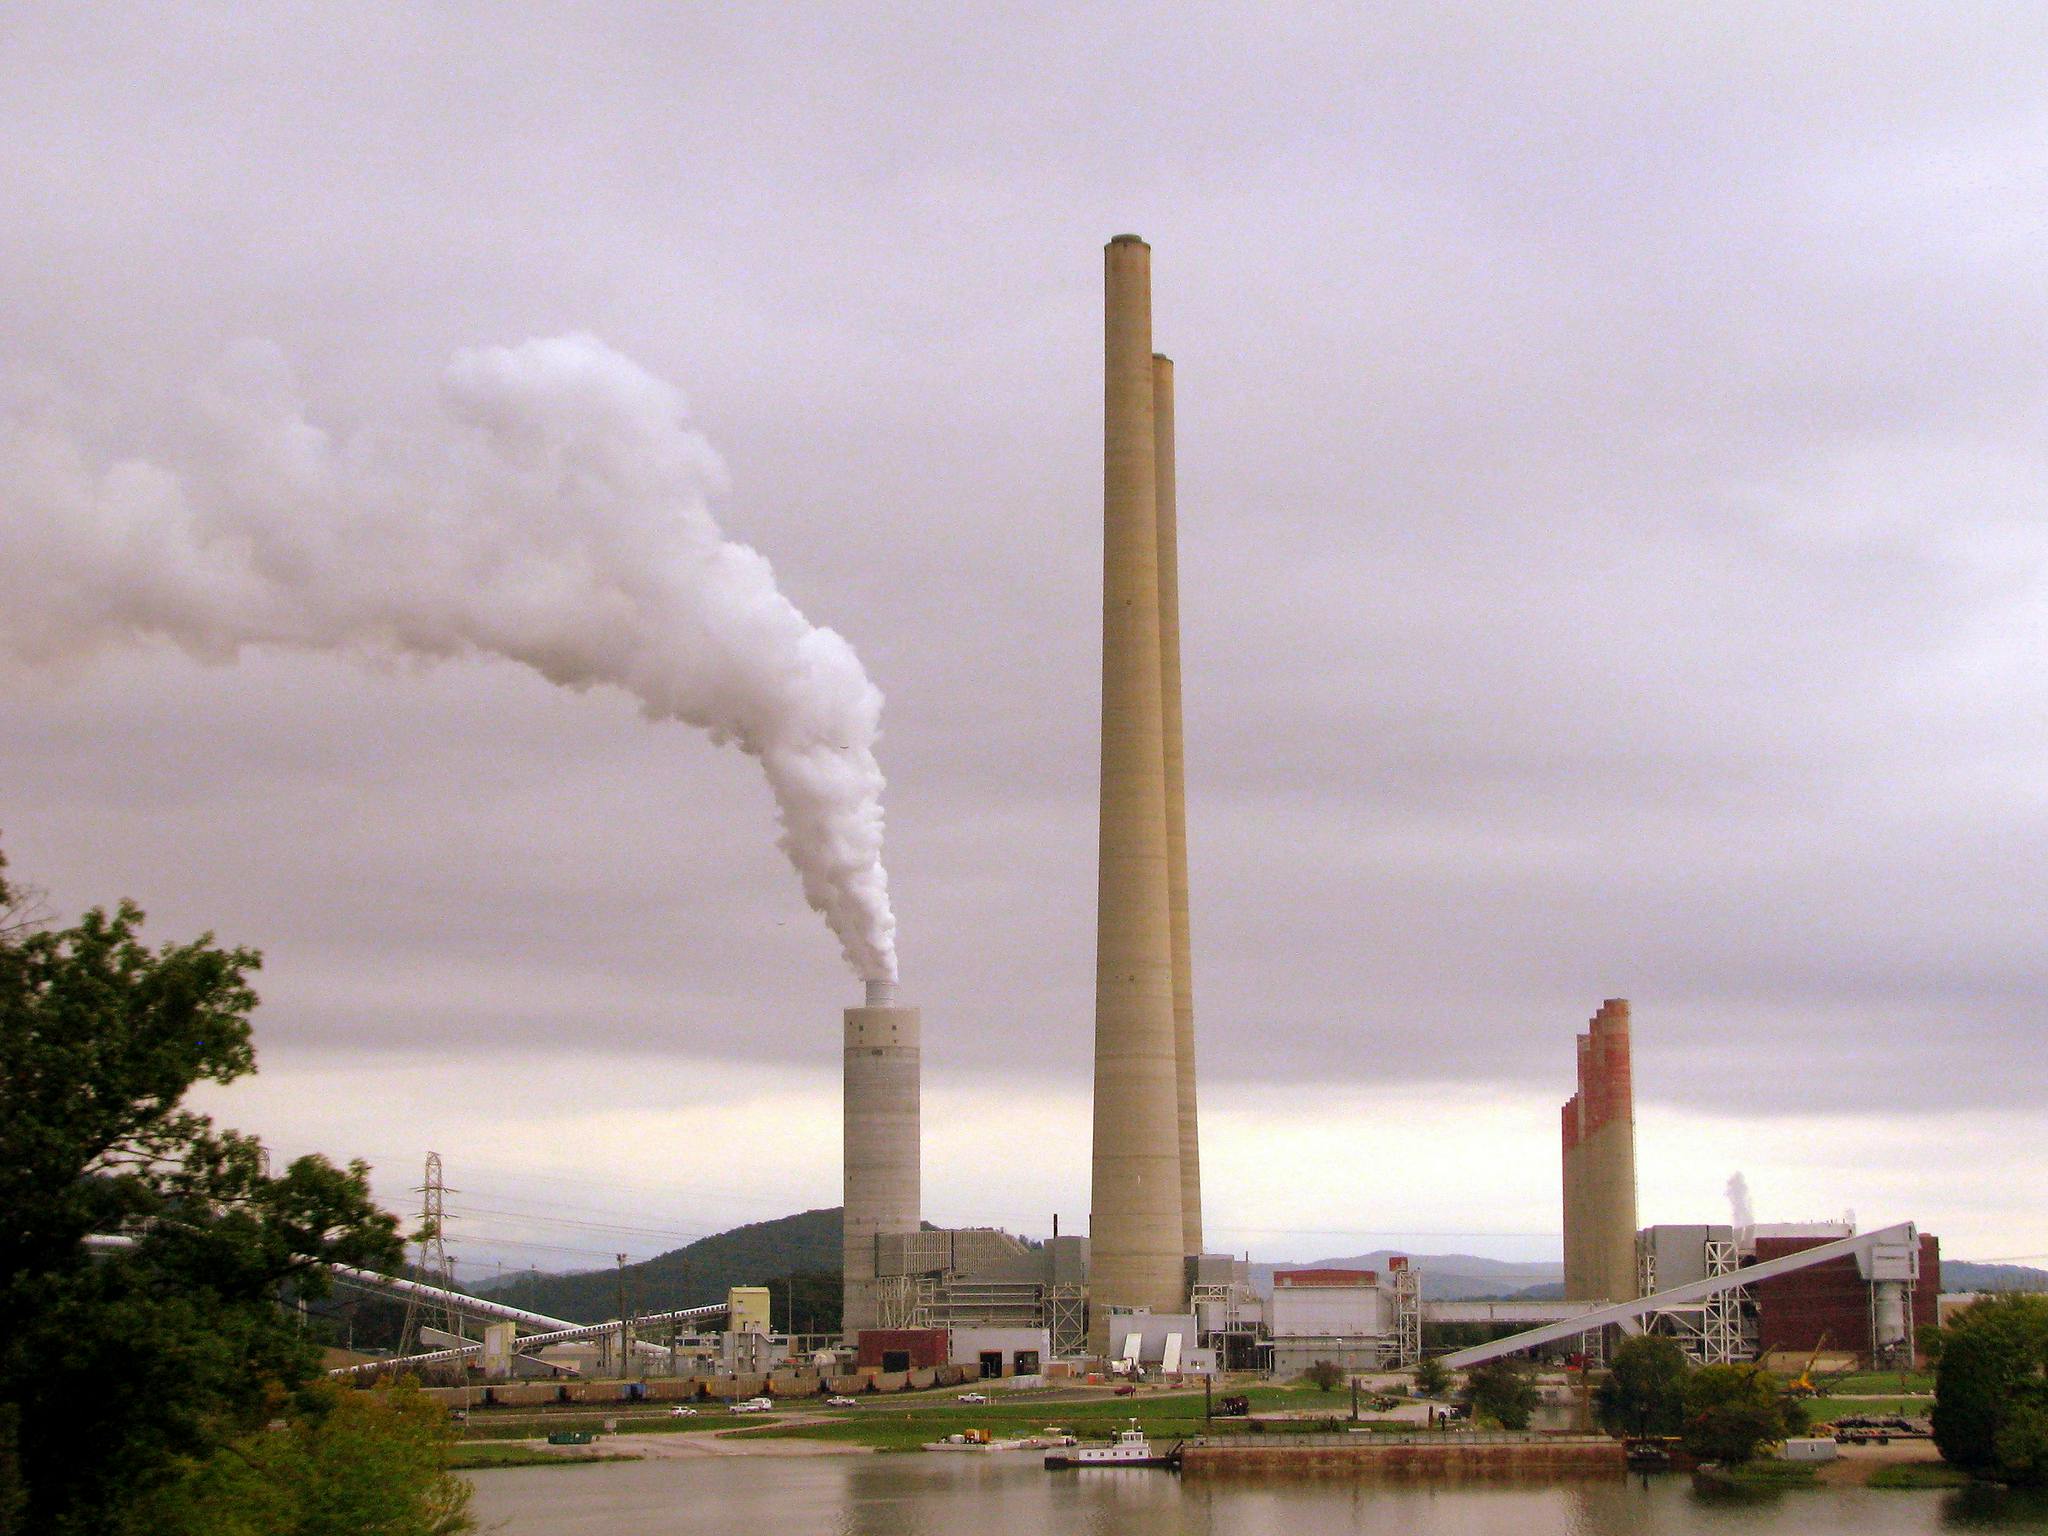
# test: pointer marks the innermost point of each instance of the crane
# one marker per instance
(1802, 1384)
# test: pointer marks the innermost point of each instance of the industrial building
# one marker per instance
(980, 1277)
(1876, 1306)
(1344, 1316)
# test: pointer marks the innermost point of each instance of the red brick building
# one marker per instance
(1829, 1304)
(902, 1349)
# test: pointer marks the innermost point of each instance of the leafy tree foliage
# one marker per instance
(1432, 1378)
(120, 1369)
(345, 1463)
(1644, 1393)
(1324, 1375)
(1733, 1411)
(1500, 1390)
(807, 1301)
(1991, 1390)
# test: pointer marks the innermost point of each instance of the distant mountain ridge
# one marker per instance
(808, 1245)
(1445, 1276)
(691, 1276)
(1961, 1275)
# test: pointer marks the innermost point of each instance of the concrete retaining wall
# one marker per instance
(1359, 1456)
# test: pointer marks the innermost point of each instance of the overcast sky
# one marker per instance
(1614, 508)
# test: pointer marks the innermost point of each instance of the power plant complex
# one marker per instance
(1137, 1291)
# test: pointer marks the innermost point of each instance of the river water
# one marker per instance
(899, 1495)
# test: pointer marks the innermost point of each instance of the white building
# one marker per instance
(1344, 1316)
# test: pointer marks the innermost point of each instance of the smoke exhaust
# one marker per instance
(555, 511)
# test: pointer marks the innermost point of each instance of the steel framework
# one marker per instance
(533, 1341)
(432, 1263)
(1629, 1316)
(1066, 1318)
(1407, 1316)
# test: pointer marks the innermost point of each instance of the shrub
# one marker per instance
(1644, 1393)
(1324, 1375)
(1990, 1392)
(1732, 1412)
(1500, 1390)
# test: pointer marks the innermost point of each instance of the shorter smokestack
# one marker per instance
(882, 1064)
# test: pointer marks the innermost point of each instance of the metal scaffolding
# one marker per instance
(1407, 1316)
(1723, 1338)
(1066, 1318)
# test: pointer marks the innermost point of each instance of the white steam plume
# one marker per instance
(556, 513)
(1739, 1209)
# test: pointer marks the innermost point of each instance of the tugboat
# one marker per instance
(1126, 1448)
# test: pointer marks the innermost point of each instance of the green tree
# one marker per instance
(1991, 1389)
(1432, 1379)
(1644, 1393)
(120, 1369)
(1324, 1375)
(344, 1464)
(1500, 1390)
(2019, 1451)
(1733, 1411)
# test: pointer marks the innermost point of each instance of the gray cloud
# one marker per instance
(1611, 482)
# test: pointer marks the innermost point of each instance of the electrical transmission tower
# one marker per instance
(432, 1265)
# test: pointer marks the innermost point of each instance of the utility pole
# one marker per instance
(623, 1345)
(432, 1264)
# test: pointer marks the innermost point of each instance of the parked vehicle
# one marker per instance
(842, 1402)
(1236, 1406)
(753, 1405)
(973, 1397)
(682, 1413)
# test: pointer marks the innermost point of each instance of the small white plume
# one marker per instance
(1739, 1209)
(555, 513)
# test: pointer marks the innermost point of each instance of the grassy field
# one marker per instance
(904, 1421)
(887, 1425)
(891, 1423)
(1825, 1410)
(1762, 1474)
(469, 1458)
(1918, 1474)
(530, 1426)
(1879, 1383)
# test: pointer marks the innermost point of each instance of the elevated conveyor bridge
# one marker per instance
(1630, 1316)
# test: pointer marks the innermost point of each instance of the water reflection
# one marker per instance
(912, 1495)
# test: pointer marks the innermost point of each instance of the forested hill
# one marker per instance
(1961, 1275)
(805, 1244)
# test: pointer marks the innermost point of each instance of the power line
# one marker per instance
(582, 1224)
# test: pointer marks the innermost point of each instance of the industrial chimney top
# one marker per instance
(881, 994)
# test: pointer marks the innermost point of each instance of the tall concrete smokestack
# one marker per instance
(1135, 1225)
(1166, 515)
(1599, 1134)
(881, 1142)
